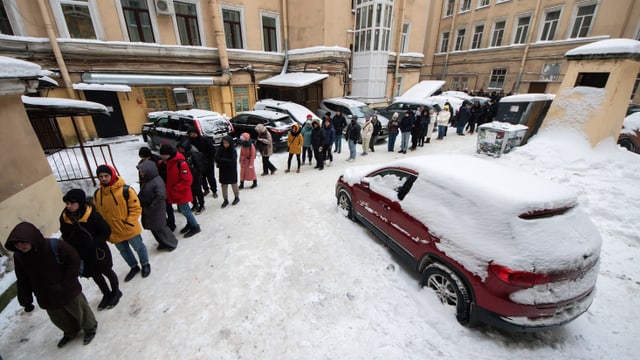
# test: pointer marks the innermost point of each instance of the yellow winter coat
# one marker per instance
(122, 216)
(295, 140)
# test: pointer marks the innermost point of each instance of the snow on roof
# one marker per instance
(297, 111)
(318, 49)
(632, 122)
(197, 113)
(347, 102)
(527, 97)
(145, 79)
(607, 47)
(459, 94)
(49, 80)
(420, 91)
(101, 87)
(64, 103)
(296, 80)
(15, 68)
(441, 100)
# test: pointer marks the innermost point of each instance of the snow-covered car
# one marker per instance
(295, 111)
(278, 124)
(504, 247)
(630, 135)
(352, 109)
(171, 126)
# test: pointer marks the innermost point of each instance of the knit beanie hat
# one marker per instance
(167, 149)
(144, 152)
(76, 196)
(104, 169)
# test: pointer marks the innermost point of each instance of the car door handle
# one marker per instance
(386, 207)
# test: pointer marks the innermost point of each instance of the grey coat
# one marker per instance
(152, 197)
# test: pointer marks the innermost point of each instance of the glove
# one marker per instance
(29, 308)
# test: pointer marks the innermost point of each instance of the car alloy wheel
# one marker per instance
(344, 204)
(449, 289)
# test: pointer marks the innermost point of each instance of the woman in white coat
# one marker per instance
(443, 121)
(365, 134)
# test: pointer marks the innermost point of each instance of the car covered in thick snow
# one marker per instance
(172, 126)
(504, 247)
(630, 135)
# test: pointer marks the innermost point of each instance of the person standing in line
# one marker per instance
(425, 124)
(247, 160)
(353, 136)
(85, 230)
(266, 150)
(178, 187)
(365, 135)
(416, 132)
(197, 165)
(329, 140)
(406, 124)
(307, 151)
(52, 275)
(227, 160)
(153, 199)
(339, 123)
(452, 118)
(294, 143)
(146, 154)
(393, 128)
(317, 141)
(206, 147)
(432, 122)
(122, 213)
(443, 121)
(377, 127)
(474, 120)
(464, 116)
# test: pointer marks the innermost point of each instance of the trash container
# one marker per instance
(497, 138)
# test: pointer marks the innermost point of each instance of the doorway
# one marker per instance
(107, 126)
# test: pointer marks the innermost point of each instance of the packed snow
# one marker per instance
(283, 275)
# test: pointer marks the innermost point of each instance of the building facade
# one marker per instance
(518, 46)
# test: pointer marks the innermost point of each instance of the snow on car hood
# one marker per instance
(473, 205)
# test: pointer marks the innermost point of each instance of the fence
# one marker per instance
(79, 162)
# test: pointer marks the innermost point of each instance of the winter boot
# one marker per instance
(193, 231)
(224, 203)
(235, 201)
(104, 303)
(133, 272)
(255, 184)
(115, 298)
(241, 185)
(146, 270)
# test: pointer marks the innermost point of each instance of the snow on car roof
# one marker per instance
(197, 113)
(298, 111)
(346, 102)
(632, 122)
(420, 91)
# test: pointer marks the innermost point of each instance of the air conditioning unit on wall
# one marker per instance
(183, 97)
(164, 7)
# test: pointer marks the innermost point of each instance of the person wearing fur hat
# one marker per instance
(294, 143)
(247, 160)
(85, 229)
(52, 276)
(178, 187)
(266, 149)
(153, 201)
(227, 162)
(122, 213)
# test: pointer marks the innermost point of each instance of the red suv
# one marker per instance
(504, 247)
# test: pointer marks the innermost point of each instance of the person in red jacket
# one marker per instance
(178, 185)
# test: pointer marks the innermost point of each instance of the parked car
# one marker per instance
(278, 124)
(630, 135)
(505, 248)
(402, 107)
(171, 126)
(352, 108)
(295, 111)
(633, 108)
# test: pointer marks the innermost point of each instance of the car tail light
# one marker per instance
(231, 129)
(500, 135)
(197, 126)
(519, 278)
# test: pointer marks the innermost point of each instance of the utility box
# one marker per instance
(497, 138)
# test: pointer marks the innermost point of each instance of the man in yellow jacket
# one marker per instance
(122, 211)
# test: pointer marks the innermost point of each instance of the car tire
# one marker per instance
(627, 144)
(345, 205)
(449, 289)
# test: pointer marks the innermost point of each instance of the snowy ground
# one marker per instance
(283, 276)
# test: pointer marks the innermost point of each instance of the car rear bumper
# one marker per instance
(563, 315)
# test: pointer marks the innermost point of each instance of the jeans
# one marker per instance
(185, 210)
(352, 149)
(391, 141)
(442, 131)
(338, 141)
(138, 245)
(306, 150)
(404, 145)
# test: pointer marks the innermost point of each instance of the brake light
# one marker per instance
(197, 126)
(518, 278)
(500, 135)
(231, 129)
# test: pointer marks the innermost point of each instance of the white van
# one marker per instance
(297, 112)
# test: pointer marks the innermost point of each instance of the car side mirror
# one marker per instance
(349, 117)
(364, 183)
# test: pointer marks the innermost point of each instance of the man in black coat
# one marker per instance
(339, 123)
(464, 116)
(205, 146)
(317, 141)
(50, 271)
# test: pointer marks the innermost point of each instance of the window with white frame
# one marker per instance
(444, 42)
(484, 3)
(465, 5)
(373, 27)
(454, 84)
(498, 76)
(404, 38)
(460, 39)
(501, 1)
(522, 29)
(270, 25)
(232, 21)
(550, 24)
(77, 18)
(550, 72)
(498, 32)
(476, 41)
(138, 20)
(187, 20)
(449, 6)
(582, 22)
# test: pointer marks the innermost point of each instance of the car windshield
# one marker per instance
(362, 111)
(209, 126)
(282, 122)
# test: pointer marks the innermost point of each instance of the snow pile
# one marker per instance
(631, 123)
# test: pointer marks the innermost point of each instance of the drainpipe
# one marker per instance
(452, 41)
(225, 78)
(81, 131)
(285, 33)
(525, 55)
(396, 69)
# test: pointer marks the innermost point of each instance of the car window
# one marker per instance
(241, 119)
(174, 123)
(285, 121)
(255, 120)
(392, 183)
(162, 122)
(345, 110)
(331, 106)
(186, 124)
(362, 111)
(211, 125)
(396, 106)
